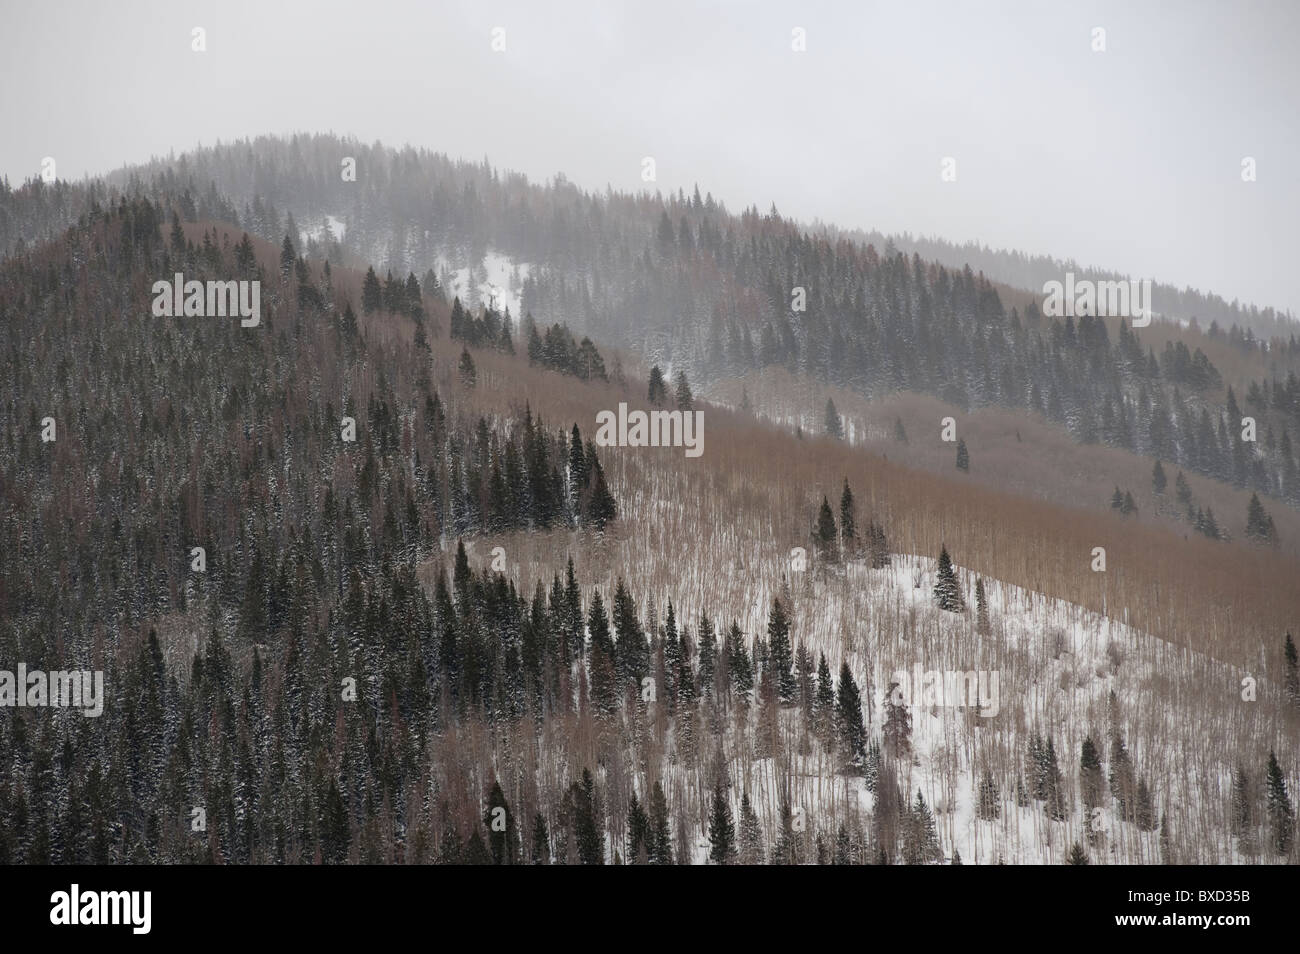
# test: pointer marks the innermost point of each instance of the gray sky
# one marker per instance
(1127, 159)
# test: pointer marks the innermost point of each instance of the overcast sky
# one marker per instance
(1127, 159)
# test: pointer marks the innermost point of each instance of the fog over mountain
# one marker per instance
(1127, 159)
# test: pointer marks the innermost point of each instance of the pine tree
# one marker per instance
(1053, 786)
(1259, 525)
(1158, 480)
(1078, 856)
(661, 846)
(708, 655)
(1281, 818)
(824, 701)
(988, 804)
(657, 393)
(920, 839)
(685, 400)
(877, 546)
(900, 433)
(982, 624)
(541, 841)
(898, 724)
(287, 257)
(502, 837)
(871, 766)
(852, 732)
(1091, 783)
(848, 519)
(751, 834)
(591, 845)
(963, 456)
(1243, 812)
(602, 508)
(468, 373)
(782, 656)
(1145, 814)
(722, 832)
(947, 592)
(638, 833)
(739, 666)
(1291, 679)
(372, 295)
(826, 533)
(1123, 784)
(834, 424)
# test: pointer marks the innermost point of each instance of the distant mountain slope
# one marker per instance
(689, 285)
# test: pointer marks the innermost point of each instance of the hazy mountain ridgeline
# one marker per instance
(687, 284)
(1021, 270)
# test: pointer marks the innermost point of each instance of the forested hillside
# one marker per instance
(686, 283)
(365, 588)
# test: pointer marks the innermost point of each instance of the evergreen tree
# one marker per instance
(1291, 678)
(541, 841)
(920, 839)
(658, 390)
(824, 701)
(1259, 525)
(782, 656)
(848, 519)
(947, 592)
(287, 257)
(1091, 783)
(372, 295)
(898, 724)
(722, 833)
(988, 804)
(1158, 480)
(963, 456)
(468, 373)
(751, 834)
(661, 848)
(1078, 856)
(852, 733)
(825, 534)
(638, 833)
(685, 400)
(1281, 818)
(834, 424)
(1243, 812)
(502, 838)
(708, 655)
(900, 433)
(591, 845)
(1145, 812)
(982, 624)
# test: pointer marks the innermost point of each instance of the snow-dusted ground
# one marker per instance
(337, 229)
(1056, 666)
(500, 291)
